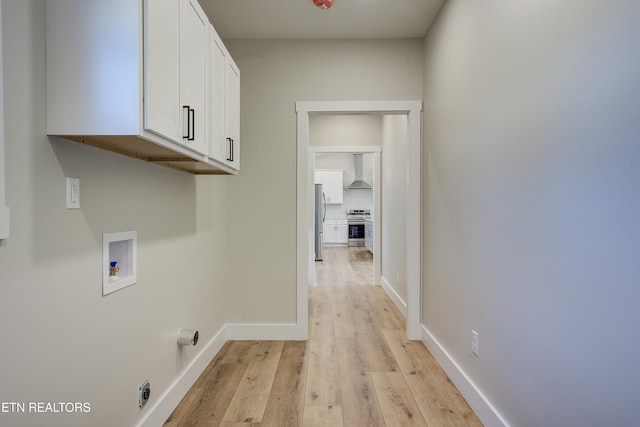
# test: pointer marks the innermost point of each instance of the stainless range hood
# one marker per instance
(358, 183)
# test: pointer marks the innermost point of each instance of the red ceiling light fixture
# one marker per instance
(323, 4)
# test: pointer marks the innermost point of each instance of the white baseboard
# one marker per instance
(399, 302)
(485, 411)
(165, 405)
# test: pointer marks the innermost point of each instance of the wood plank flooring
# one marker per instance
(356, 369)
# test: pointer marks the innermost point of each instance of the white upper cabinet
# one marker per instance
(217, 106)
(162, 70)
(194, 74)
(225, 105)
(94, 64)
(332, 184)
(233, 113)
(133, 77)
(176, 43)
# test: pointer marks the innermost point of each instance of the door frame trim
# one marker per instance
(304, 202)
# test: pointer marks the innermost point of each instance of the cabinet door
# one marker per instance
(335, 231)
(330, 231)
(224, 114)
(335, 186)
(343, 233)
(194, 26)
(217, 120)
(331, 181)
(233, 113)
(322, 177)
(162, 68)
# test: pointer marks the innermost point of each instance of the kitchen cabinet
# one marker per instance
(368, 234)
(332, 184)
(133, 77)
(335, 232)
(224, 117)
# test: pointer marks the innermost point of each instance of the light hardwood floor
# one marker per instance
(356, 369)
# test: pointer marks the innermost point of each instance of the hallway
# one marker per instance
(356, 369)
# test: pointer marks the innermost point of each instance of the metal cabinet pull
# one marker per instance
(230, 157)
(192, 111)
(190, 126)
(187, 128)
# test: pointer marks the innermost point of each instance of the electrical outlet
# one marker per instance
(144, 392)
(474, 343)
(397, 278)
(73, 193)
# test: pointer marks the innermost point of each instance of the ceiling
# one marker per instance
(301, 19)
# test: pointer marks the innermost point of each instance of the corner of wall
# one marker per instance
(483, 408)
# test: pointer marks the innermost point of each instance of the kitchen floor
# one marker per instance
(356, 369)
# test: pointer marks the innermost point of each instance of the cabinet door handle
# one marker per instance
(192, 111)
(187, 122)
(230, 158)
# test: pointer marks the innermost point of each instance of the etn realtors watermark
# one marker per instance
(45, 407)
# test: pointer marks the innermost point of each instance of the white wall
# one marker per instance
(276, 74)
(532, 117)
(62, 341)
(345, 129)
(4, 211)
(395, 177)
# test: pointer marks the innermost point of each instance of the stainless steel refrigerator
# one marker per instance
(320, 213)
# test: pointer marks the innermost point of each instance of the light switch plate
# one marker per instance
(73, 193)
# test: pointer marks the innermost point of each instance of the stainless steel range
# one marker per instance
(355, 220)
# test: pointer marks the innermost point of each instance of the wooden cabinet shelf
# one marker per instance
(143, 149)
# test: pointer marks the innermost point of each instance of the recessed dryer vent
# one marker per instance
(119, 260)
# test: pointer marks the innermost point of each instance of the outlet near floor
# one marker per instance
(144, 392)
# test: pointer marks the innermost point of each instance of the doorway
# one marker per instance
(305, 205)
(338, 156)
